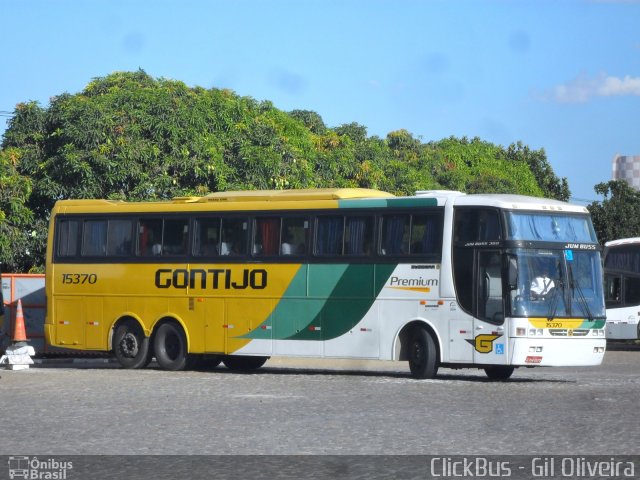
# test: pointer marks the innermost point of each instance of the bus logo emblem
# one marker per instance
(484, 343)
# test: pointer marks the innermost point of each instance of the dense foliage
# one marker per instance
(618, 215)
(130, 136)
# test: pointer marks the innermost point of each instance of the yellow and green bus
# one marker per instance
(438, 279)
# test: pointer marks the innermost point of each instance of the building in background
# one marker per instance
(627, 168)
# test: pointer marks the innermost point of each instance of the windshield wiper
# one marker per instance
(575, 286)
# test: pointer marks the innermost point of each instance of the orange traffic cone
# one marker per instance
(19, 332)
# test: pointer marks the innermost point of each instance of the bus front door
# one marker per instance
(489, 340)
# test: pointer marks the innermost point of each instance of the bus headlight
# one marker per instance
(535, 332)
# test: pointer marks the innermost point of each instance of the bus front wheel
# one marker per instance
(245, 363)
(130, 345)
(170, 348)
(423, 359)
(499, 372)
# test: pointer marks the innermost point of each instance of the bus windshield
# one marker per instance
(555, 283)
(550, 227)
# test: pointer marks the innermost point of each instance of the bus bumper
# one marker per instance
(549, 352)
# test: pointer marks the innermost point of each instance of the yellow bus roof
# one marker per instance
(231, 197)
(289, 195)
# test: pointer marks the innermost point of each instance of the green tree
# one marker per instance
(20, 237)
(551, 185)
(618, 215)
(311, 120)
(133, 137)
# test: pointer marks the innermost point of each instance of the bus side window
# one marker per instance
(330, 235)
(477, 224)
(631, 291)
(94, 238)
(426, 235)
(176, 234)
(119, 237)
(150, 237)
(358, 236)
(207, 237)
(266, 236)
(295, 234)
(234, 236)
(612, 290)
(395, 235)
(68, 231)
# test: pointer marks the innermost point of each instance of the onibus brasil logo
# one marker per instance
(35, 469)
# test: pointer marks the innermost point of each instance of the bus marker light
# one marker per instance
(64, 322)
(365, 329)
(93, 323)
(266, 327)
(313, 328)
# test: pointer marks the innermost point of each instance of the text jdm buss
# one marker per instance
(436, 279)
(622, 288)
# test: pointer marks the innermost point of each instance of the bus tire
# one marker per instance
(131, 346)
(209, 362)
(239, 362)
(170, 348)
(499, 372)
(423, 356)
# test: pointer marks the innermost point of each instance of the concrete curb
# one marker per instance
(73, 361)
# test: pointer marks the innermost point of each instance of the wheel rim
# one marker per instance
(129, 345)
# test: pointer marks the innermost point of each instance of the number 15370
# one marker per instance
(79, 278)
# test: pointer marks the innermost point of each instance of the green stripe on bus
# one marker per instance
(301, 302)
(348, 303)
(338, 298)
(593, 324)
(412, 202)
(388, 202)
(368, 203)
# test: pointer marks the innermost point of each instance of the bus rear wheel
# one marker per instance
(238, 362)
(130, 345)
(170, 348)
(423, 359)
(499, 372)
(209, 362)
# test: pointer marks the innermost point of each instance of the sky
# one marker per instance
(558, 75)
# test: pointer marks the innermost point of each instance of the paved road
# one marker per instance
(321, 407)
